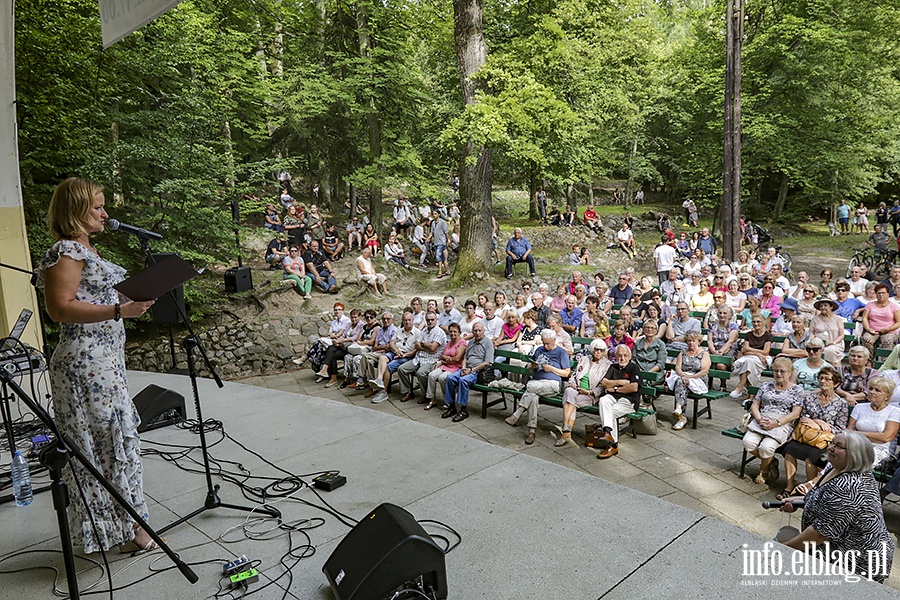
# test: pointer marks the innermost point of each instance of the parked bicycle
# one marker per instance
(882, 268)
(861, 256)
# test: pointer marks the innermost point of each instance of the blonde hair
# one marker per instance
(70, 207)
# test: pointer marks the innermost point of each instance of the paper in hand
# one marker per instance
(158, 279)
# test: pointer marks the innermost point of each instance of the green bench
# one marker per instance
(505, 369)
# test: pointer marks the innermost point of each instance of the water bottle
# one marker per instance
(21, 480)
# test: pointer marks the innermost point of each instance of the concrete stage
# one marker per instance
(530, 529)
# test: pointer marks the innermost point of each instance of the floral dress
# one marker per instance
(92, 405)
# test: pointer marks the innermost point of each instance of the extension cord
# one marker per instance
(235, 566)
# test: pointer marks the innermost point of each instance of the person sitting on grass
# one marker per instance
(625, 238)
(277, 251)
(592, 220)
(354, 233)
(318, 267)
(332, 246)
(393, 250)
(295, 270)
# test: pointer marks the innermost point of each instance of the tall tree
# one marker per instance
(476, 174)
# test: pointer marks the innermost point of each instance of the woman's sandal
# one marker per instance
(430, 405)
(759, 480)
(133, 549)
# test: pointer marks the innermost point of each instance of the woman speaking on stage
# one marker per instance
(87, 371)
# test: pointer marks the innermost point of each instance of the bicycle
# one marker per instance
(861, 256)
(784, 256)
(882, 268)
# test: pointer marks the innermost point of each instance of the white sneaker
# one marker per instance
(676, 412)
(297, 361)
(379, 397)
(377, 383)
(736, 393)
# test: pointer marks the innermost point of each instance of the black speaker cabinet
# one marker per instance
(237, 279)
(385, 551)
(164, 310)
(159, 407)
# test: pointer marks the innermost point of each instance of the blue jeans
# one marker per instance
(510, 261)
(393, 365)
(457, 381)
(328, 280)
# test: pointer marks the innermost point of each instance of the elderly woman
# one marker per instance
(881, 321)
(450, 361)
(753, 356)
(316, 354)
(844, 510)
(722, 336)
(691, 368)
(584, 388)
(702, 300)
(877, 419)
(806, 305)
(794, 344)
(559, 300)
(338, 349)
(806, 370)
(829, 327)
(856, 376)
(744, 264)
(734, 297)
(826, 286)
(769, 300)
(822, 410)
(774, 409)
(753, 309)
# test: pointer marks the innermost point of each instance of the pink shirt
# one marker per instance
(880, 318)
(508, 332)
(450, 350)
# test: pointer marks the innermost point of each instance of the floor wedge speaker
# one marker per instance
(238, 279)
(158, 407)
(385, 551)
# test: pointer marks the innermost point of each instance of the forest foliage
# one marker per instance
(209, 101)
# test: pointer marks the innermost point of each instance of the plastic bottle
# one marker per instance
(21, 480)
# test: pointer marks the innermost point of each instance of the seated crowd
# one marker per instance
(594, 345)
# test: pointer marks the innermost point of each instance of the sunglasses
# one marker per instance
(813, 349)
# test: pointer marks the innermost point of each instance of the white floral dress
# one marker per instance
(91, 404)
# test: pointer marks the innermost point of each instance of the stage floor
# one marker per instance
(530, 528)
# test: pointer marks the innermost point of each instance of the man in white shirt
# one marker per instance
(402, 216)
(857, 283)
(492, 323)
(796, 291)
(664, 255)
(402, 349)
(626, 240)
(782, 283)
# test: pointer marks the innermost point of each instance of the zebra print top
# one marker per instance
(847, 510)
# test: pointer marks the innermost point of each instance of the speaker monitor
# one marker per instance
(386, 550)
(159, 407)
(237, 279)
(164, 310)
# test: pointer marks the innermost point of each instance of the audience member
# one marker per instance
(622, 395)
(518, 250)
(318, 267)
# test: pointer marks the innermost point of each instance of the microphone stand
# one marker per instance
(191, 343)
(44, 340)
(55, 456)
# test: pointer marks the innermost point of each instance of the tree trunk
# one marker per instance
(117, 198)
(229, 154)
(629, 185)
(476, 173)
(532, 193)
(571, 197)
(373, 122)
(782, 195)
(590, 191)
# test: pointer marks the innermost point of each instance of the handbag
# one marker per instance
(817, 438)
(356, 349)
(485, 376)
(745, 422)
(646, 425)
(593, 432)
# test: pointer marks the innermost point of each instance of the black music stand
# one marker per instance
(55, 456)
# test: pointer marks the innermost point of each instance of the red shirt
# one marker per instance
(589, 215)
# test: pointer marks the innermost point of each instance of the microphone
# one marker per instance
(115, 225)
(779, 503)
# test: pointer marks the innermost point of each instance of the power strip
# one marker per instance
(329, 481)
(235, 566)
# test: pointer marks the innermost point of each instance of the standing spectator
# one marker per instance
(843, 215)
(550, 366)
(315, 223)
(879, 240)
(286, 199)
(518, 250)
(354, 233)
(366, 272)
(664, 256)
(895, 216)
(707, 243)
(294, 226)
(420, 239)
(319, 268)
(862, 218)
(881, 216)
(639, 197)
(541, 200)
(440, 239)
(617, 196)
(284, 179)
(693, 214)
(625, 239)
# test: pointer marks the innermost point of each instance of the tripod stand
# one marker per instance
(54, 457)
(191, 343)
